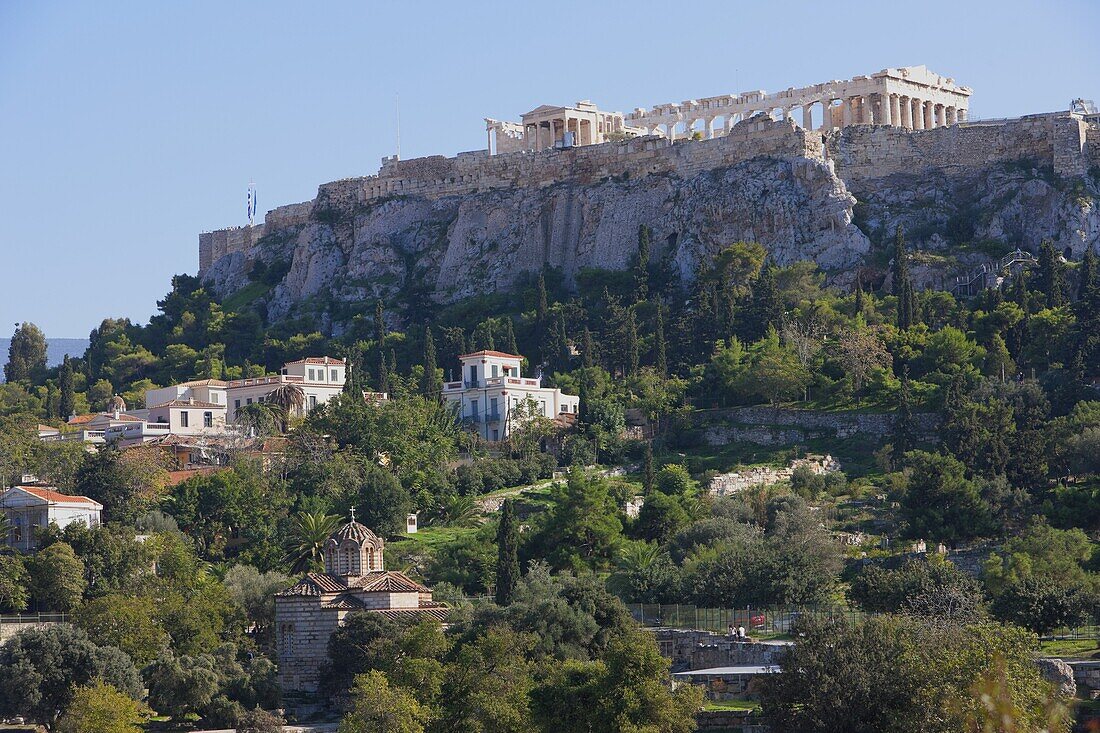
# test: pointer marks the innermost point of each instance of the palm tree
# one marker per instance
(290, 399)
(307, 538)
(460, 511)
(5, 531)
(261, 418)
(633, 559)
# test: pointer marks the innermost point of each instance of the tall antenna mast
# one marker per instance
(399, 125)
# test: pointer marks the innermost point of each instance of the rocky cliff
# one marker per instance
(449, 228)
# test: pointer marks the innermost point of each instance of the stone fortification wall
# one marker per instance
(779, 426)
(437, 176)
(1092, 144)
(867, 152)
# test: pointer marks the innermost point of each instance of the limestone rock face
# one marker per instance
(1059, 674)
(453, 247)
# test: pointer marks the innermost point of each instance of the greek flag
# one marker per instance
(251, 206)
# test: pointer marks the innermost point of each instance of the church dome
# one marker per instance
(354, 531)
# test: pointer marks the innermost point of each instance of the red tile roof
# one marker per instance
(487, 352)
(203, 383)
(82, 419)
(56, 497)
(178, 477)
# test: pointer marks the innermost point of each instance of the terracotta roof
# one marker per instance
(188, 403)
(82, 419)
(487, 352)
(316, 360)
(204, 383)
(439, 613)
(56, 497)
(387, 581)
(44, 428)
(344, 603)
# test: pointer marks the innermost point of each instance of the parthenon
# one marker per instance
(910, 97)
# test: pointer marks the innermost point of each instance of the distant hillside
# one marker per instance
(55, 350)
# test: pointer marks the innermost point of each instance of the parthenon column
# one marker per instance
(906, 106)
(846, 112)
(895, 110)
(918, 113)
(826, 114)
(941, 115)
(952, 118)
(929, 115)
(807, 118)
(884, 108)
(962, 114)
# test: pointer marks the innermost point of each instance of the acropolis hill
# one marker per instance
(568, 187)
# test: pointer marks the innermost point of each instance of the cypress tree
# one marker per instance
(1051, 276)
(1087, 275)
(542, 307)
(558, 353)
(641, 267)
(903, 286)
(379, 324)
(903, 421)
(647, 469)
(67, 401)
(588, 349)
(859, 294)
(507, 555)
(383, 374)
(659, 345)
(430, 385)
(392, 365)
(508, 340)
(26, 354)
(764, 309)
(630, 342)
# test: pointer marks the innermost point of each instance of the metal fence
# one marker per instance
(757, 621)
(34, 618)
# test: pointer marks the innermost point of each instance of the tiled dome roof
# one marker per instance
(354, 531)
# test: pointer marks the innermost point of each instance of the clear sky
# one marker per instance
(126, 128)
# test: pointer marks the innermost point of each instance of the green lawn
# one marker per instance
(731, 705)
(430, 539)
(244, 296)
(1084, 648)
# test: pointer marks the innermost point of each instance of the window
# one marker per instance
(311, 373)
(495, 372)
(248, 401)
(236, 404)
(208, 419)
(493, 407)
(473, 408)
(334, 376)
(496, 435)
(312, 401)
(543, 403)
(184, 418)
(473, 374)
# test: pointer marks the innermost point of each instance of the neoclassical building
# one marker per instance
(355, 579)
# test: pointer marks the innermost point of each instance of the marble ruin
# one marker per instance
(910, 97)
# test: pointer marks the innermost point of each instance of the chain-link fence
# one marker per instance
(757, 621)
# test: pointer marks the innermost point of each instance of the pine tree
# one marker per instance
(508, 339)
(507, 555)
(431, 386)
(764, 310)
(647, 469)
(1051, 275)
(483, 338)
(26, 354)
(641, 267)
(659, 346)
(588, 349)
(630, 342)
(379, 324)
(67, 401)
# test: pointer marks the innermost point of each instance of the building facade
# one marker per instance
(30, 507)
(355, 579)
(493, 397)
(549, 126)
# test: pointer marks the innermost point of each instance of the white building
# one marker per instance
(320, 377)
(27, 507)
(493, 397)
(190, 417)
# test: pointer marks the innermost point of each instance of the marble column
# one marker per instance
(884, 108)
(846, 112)
(918, 114)
(962, 114)
(895, 110)
(807, 118)
(929, 115)
(941, 115)
(952, 117)
(489, 140)
(906, 112)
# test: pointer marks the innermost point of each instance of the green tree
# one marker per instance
(776, 373)
(641, 264)
(1043, 604)
(13, 582)
(26, 354)
(1050, 275)
(379, 325)
(647, 469)
(181, 685)
(486, 686)
(661, 517)
(903, 285)
(379, 707)
(940, 503)
(308, 533)
(126, 622)
(100, 708)
(660, 348)
(41, 668)
(508, 339)
(542, 309)
(507, 555)
(259, 720)
(56, 578)
(583, 526)
(430, 383)
(65, 383)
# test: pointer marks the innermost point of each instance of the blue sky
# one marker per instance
(126, 128)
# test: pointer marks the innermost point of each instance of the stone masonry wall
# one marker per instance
(779, 426)
(303, 650)
(863, 152)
